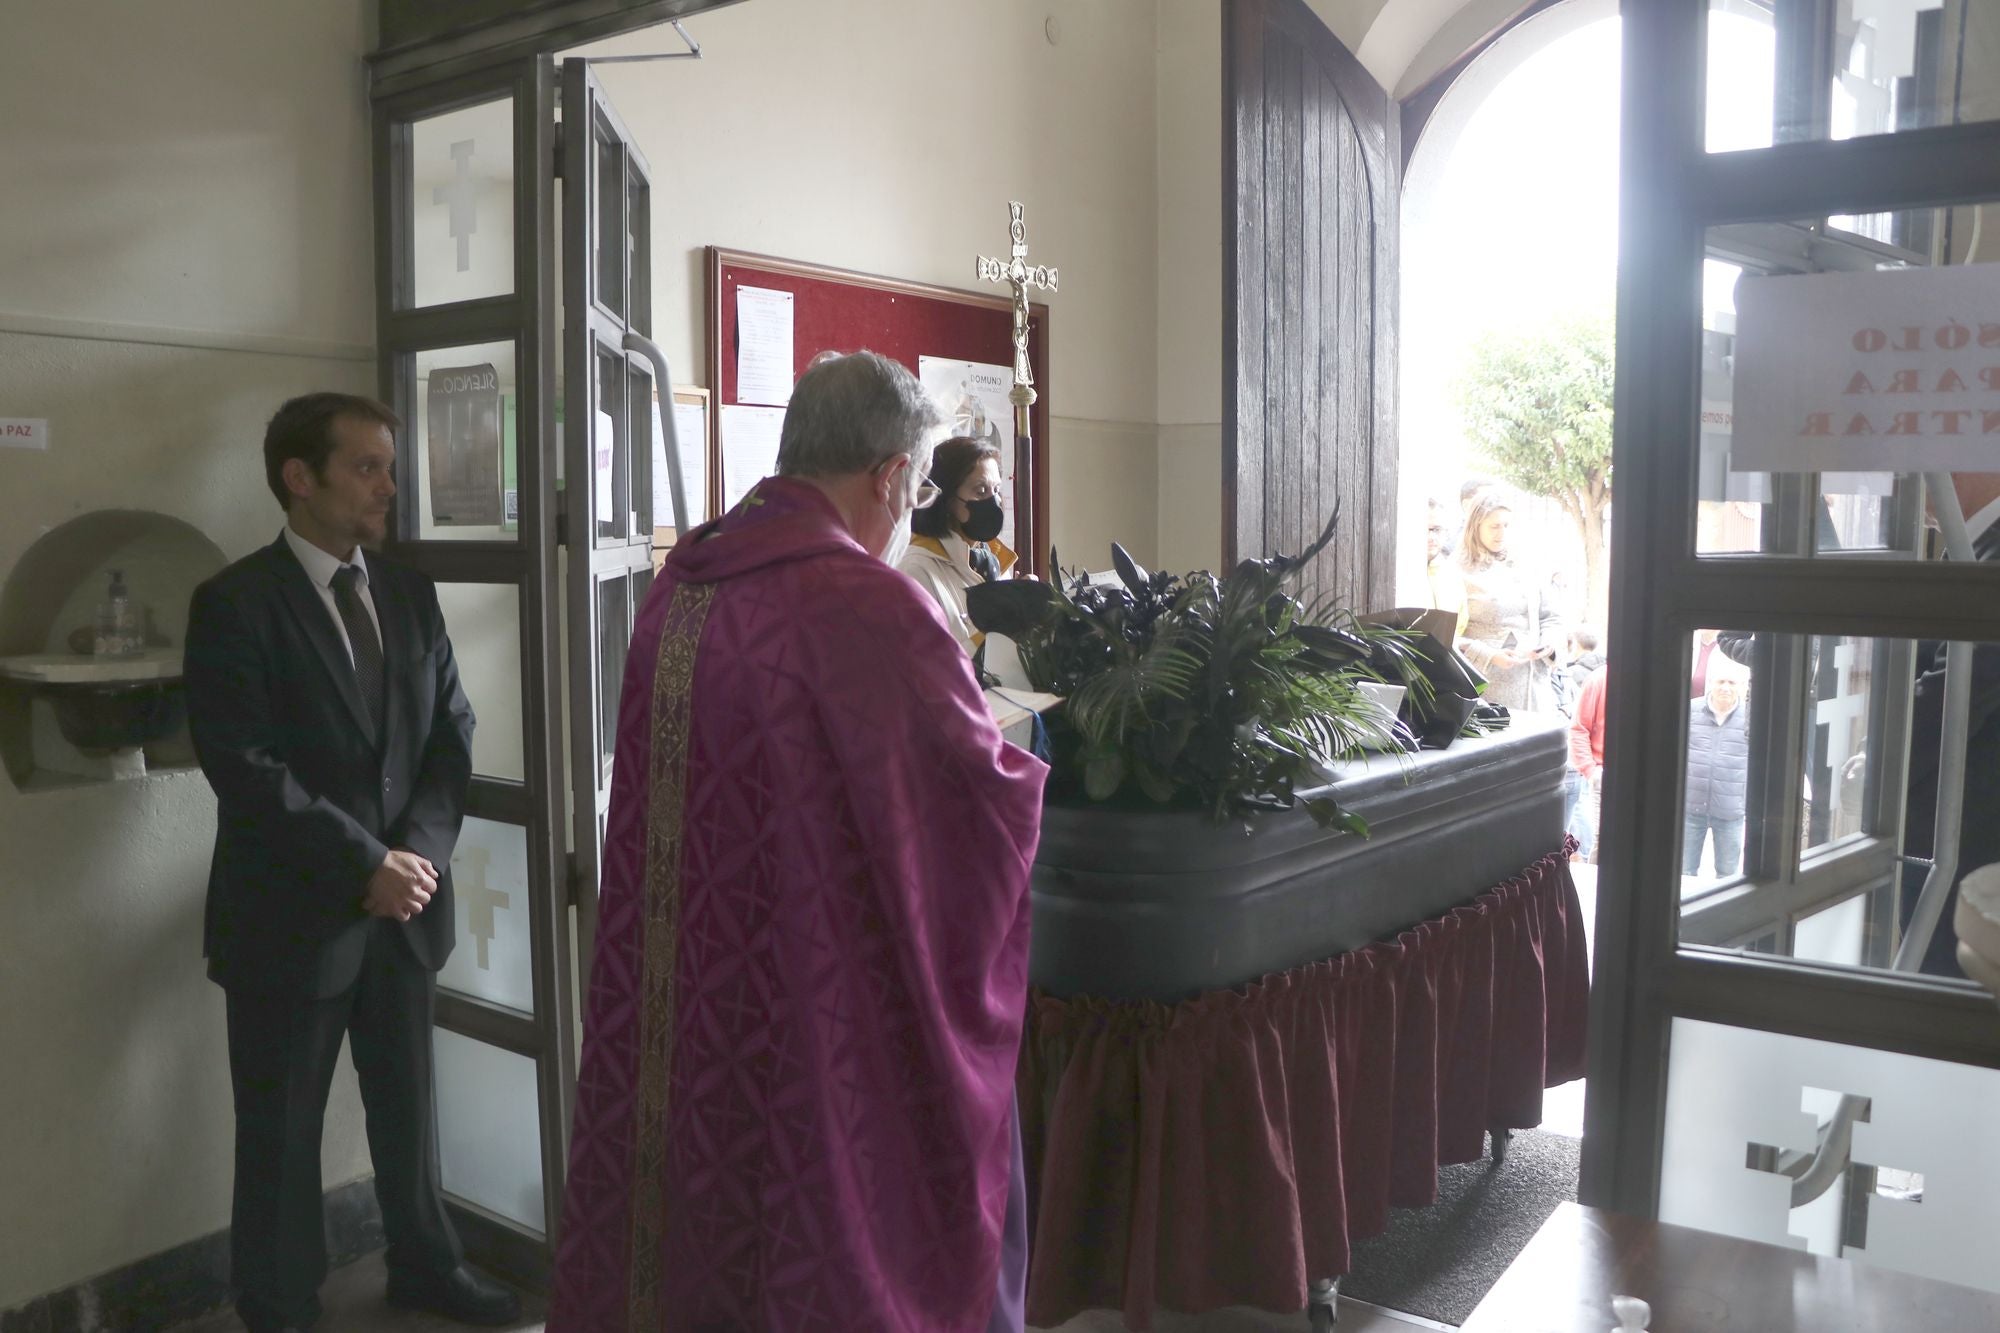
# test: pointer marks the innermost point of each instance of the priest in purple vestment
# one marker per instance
(795, 1104)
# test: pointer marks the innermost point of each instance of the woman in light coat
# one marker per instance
(1511, 629)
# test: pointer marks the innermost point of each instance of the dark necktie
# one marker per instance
(362, 638)
(985, 564)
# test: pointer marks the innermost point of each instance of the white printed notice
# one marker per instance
(603, 444)
(1896, 370)
(973, 397)
(763, 346)
(23, 433)
(749, 448)
(691, 434)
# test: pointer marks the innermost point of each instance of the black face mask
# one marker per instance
(983, 520)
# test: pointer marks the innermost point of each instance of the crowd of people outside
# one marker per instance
(1519, 622)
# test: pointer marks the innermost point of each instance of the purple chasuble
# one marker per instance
(794, 1107)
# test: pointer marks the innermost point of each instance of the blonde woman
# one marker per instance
(1511, 630)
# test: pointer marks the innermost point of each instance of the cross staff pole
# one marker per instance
(1021, 276)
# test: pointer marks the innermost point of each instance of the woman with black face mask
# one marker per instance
(955, 543)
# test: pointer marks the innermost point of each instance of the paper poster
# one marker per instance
(691, 434)
(763, 346)
(1893, 370)
(749, 448)
(462, 446)
(603, 445)
(973, 397)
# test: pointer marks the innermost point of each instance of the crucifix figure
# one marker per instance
(1019, 274)
(464, 202)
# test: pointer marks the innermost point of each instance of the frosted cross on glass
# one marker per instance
(1766, 1157)
(463, 199)
(481, 899)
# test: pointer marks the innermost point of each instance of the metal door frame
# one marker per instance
(525, 317)
(1672, 190)
(592, 330)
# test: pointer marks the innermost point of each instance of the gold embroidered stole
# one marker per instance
(673, 680)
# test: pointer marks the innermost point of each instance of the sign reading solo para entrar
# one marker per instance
(1891, 371)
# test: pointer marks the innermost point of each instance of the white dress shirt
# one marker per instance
(320, 569)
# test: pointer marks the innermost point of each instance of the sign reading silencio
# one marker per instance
(1892, 371)
(462, 424)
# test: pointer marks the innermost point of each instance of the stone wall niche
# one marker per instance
(68, 717)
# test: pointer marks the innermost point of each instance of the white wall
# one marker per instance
(887, 136)
(180, 179)
(1188, 100)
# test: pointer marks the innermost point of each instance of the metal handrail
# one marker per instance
(663, 384)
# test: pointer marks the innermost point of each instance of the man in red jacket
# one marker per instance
(1586, 760)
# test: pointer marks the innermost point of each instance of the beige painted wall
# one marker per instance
(1188, 99)
(191, 174)
(945, 111)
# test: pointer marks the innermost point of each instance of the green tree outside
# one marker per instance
(1537, 404)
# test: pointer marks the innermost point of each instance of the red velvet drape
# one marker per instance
(1229, 1149)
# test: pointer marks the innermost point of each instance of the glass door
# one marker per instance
(464, 254)
(610, 434)
(1800, 706)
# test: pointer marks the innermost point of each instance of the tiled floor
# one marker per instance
(352, 1302)
(1355, 1317)
(352, 1299)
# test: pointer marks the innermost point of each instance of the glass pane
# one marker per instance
(1836, 737)
(1840, 69)
(611, 448)
(489, 1128)
(639, 246)
(465, 443)
(1744, 1108)
(1811, 792)
(611, 233)
(1742, 61)
(461, 227)
(1835, 368)
(614, 633)
(484, 620)
(640, 410)
(1715, 795)
(1837, 934)
(489, 881)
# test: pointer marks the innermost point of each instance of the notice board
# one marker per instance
(843, 311)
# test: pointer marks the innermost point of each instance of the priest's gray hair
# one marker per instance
(851, 413)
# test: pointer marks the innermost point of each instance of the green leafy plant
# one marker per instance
(1228, 693)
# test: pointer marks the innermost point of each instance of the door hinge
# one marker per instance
(562, 517)
(556, 149)
(572, 880)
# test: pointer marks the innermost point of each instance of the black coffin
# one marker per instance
(1138, 905)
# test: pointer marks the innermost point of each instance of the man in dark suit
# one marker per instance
(325, 705)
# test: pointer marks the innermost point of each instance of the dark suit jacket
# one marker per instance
(308, 805)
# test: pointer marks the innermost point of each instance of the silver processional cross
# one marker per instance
(1022, 276)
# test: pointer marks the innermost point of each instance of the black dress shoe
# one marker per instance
(461, 1294)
